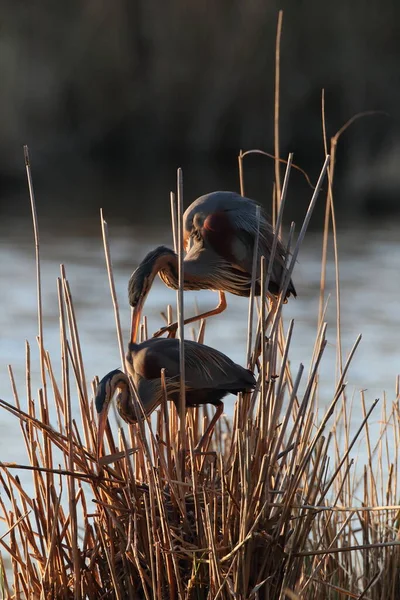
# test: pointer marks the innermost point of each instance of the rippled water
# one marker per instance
(369, 272)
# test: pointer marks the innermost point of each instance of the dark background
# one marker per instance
(111, 97)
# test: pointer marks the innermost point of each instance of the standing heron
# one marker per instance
(220, 229)
(209, 376)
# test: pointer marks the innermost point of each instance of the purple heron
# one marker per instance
(209, 376)
(220, 229)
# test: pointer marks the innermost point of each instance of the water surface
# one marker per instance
(369, 265)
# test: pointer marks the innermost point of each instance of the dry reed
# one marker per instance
(279, 512)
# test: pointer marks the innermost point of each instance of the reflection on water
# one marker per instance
(369, 260)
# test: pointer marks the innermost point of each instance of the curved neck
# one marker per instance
(159, 259)
(125, 405)
(197, 267)
(141, 281)
(165, 262)
(124, 399)
(150, 395)
(120, 381)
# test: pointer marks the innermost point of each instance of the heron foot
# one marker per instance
(170, 329)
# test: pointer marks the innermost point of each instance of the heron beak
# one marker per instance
(101, 427)
(136, 314)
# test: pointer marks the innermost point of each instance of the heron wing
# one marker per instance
(204, 366)
(246, 225)
(242, 215)
(235, 242)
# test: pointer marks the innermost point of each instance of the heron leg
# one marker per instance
(222, 304)
(210, 428)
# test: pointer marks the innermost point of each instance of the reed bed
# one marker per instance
(278, 510)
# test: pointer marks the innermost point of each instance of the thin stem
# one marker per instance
(180, 307)
(174, 221)
(38, 270)
(278, 224)
(104, 229)
(253, 287)
(277, 107)
(241, 177)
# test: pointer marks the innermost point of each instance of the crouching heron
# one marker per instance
(209, 376)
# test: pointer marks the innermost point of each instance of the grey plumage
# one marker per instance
(220, 231)
(242, 212)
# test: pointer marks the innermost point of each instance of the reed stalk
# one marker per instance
(180, 311)
(284, 509)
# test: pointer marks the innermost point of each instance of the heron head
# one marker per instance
(104, 394)
(141, 281)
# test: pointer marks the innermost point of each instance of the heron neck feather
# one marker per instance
(164, 261)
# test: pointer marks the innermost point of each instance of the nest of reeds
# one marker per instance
(275, 510)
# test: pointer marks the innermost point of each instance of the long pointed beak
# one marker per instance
(101, 427)
(136, 314)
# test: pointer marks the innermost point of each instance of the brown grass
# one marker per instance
(281, 511)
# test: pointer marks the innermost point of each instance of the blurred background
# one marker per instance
(112, 97)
